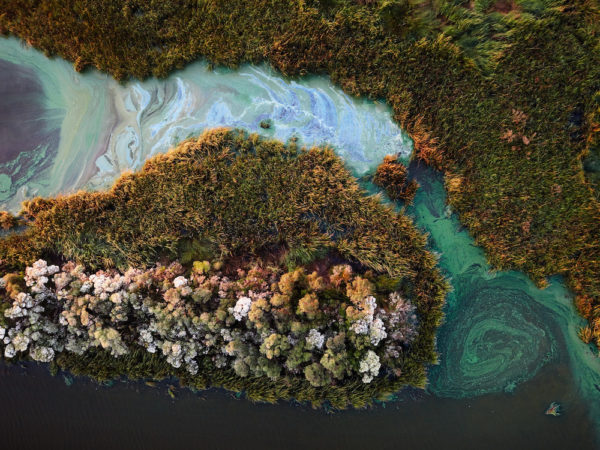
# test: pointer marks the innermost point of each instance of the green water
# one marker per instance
(505, 346)
(500, 329)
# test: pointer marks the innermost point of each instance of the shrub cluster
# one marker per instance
(392, 175)
(260, 323)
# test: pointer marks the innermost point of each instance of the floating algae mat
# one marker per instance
(496, 338)
(62, 131)
(500, 329)
(106, 127)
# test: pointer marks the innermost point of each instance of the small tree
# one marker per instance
(317, 375)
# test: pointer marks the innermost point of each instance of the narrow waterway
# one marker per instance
(106, 127)
(507, 349)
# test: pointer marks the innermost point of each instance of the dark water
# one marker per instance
(21, 127)
(39, 411)
(29, 131)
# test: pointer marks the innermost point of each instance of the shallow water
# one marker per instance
(106, 127)
(507, 349)
(500, 328)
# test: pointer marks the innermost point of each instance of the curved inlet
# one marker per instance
(106, 127)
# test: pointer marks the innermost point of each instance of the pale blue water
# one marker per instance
(107, 127)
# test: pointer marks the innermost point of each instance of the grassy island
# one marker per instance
(501, 95)
(229, 261)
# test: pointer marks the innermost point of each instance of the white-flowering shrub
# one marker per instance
(9, 351)
(241, 308)
(369, 366)
(377, 331)
(180, 282)
(361, 326)
(315, 339)
(42, 354)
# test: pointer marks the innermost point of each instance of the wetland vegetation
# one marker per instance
(495, 93)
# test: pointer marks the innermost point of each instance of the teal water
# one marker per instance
(106, 127)
(507, 349)
(500, 328)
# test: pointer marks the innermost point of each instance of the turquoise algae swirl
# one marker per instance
(497, 339)
(499, 329)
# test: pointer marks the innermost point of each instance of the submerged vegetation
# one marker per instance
(315, 292)
(499, 94)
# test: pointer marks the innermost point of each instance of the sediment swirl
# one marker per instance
(498, 338)
(106, 127)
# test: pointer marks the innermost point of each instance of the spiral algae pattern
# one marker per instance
(496, 340)
(106, 127)
(500, 329)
